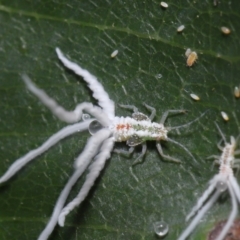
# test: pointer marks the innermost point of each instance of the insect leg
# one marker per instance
(189, 123)
(123, 152)
(219, 145)
(166, 157)
(136, 114)
(236, 161)
(165, 115)
(139, 159)
(216, 160)
(221, 133)
(236, 165)
(179, 144)
(153, 111)
(213, 157)
(131, 107)
(237, 152)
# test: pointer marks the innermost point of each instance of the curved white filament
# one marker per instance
(66, 131)
(98, 91)
(232, 215)
(86, 158)
(94, 171)
(199, 215)
(60, 112)
(204, 197)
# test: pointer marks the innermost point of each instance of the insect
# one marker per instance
(164, 4)
(194, 96)
(188, 51)
(225, 116)
(114, 53)
(180, 28)
(135, 130)
(225, 30)
(237, 92)
(218, 184)
(191, 57)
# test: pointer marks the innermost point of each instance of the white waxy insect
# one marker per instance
(224, 116)
(114, 54)
(180, 28)
(237, 92)
(191, 57)
(188, 51)
(106, 129)
(221, 182)
(225, 30)
(164, 4)
(195, 97)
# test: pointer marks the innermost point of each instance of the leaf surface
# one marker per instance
(150, 68)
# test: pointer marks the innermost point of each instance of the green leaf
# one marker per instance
(151, 68)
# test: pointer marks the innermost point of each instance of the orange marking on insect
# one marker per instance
(122, 126)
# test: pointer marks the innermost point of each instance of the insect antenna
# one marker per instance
(221, 133)
(189, 123)
(179, 144)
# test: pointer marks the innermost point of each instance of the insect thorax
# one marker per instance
(125, 127)
(227, 156)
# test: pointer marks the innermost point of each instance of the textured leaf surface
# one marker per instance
(151, 68)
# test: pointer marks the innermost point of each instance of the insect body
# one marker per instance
(225, 30)
(164, 4)
(114, 53)
(237, 92)
(191, 58)
(180, 28)
(219, 183)
(225, 116)
(136, 130)
(194, 96)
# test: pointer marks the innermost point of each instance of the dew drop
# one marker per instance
(94, 127)
(85, 116)
(161, 228)
(221, 186)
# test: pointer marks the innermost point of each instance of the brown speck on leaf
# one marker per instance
(233, 233)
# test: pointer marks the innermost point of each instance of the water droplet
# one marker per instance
(94, 127)
(85, 116)
(159, 76)
(221, 186)
(161, 228)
